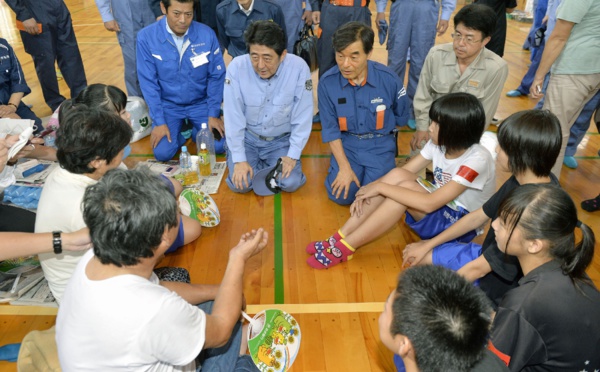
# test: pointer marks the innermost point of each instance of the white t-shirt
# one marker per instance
(474, 169)
(126, 323)
(60, 209)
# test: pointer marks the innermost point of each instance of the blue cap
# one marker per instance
(183, 148)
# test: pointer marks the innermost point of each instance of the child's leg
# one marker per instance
(386, 215)
(177, 187)
(397, 176)
(191, 229)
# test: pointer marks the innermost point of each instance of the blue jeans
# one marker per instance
(227, 357)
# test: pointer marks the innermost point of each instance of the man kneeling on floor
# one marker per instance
(115, 315)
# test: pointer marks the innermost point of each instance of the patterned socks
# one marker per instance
(318, 246)
(332, 255)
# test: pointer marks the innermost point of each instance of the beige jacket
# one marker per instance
(484, 78)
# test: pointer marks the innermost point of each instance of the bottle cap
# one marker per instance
(203, 146)
(203, 126)
(183, 148)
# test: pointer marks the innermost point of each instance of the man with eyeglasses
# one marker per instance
(464, 65)
(181, 73)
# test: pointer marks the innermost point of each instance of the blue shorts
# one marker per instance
(178, 243)
(437, 221)
(168, 183)
(454, 255)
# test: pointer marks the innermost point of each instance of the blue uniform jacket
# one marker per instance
(232, 22)
(344, 107)
(44, 11)
(281, 104)
(12, 79)
(166, 80)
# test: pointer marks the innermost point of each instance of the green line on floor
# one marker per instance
(587, 157)
(278, 250)
(315, 156)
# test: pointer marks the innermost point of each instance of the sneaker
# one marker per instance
(591, 205)
(570, 162)
(514, 93)
(331, 256)
(412, 124)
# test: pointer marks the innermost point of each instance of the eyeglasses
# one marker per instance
(467, 39)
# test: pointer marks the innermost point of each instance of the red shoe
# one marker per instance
(331, 256)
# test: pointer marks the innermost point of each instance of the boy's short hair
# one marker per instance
(446, 319)
(87, 134)
(352, 32)
(127, 212)
(531, 140)
(478, 17)
(461, 119)
(266, 33)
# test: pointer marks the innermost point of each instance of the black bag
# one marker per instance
(306, 47)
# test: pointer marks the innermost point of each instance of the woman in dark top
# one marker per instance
(551, 322)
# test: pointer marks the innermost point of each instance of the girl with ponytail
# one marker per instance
(550, 322)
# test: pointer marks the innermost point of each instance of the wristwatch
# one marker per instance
(57, 242)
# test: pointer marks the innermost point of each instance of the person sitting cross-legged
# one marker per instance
(116, 315)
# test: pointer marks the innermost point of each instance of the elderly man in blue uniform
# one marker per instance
(361, 103)
(335, 13)
(268, 109)
(127, 18)
(13, 87)
(295, 18)
(413, 24)
(181, 73)
(48, 37)
(234, 16)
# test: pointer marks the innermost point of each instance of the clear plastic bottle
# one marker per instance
(204, 161)
(205, 136)
(190, 176)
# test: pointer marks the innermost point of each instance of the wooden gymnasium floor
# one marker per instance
(337, 308)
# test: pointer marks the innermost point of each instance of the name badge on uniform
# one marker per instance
(199, 60)
(473, 83)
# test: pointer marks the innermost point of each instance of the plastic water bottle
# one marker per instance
(185, 163)
(204, 161)
(205, 136)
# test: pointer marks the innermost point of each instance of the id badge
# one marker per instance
(199, 60)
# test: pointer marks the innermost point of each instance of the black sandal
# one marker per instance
(591, 205)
